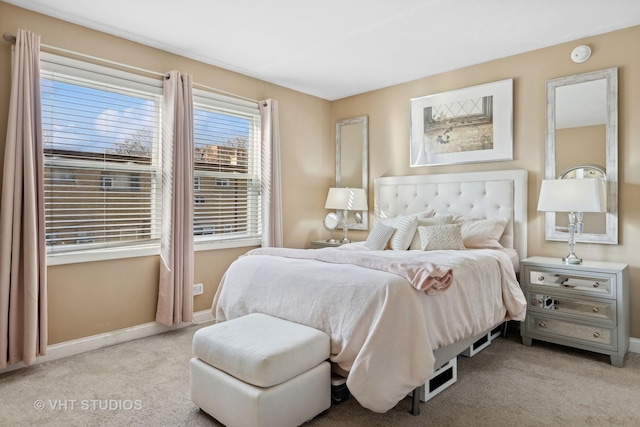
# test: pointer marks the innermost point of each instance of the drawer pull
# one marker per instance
(595, 309)
(540, 278)
(542, 324)
(596, 284)
(596, 334)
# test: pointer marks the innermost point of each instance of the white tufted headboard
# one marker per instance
(493, 194)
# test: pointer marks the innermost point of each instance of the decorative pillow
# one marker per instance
(416, 243)
(429, 213)
(441, 237)
(379, 236)
(405, 229)
(405, 226)
(482, 233)
(424, 214)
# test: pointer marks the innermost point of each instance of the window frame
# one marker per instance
(50, 65)
(233, 106)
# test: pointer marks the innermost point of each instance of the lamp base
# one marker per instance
(572, 259)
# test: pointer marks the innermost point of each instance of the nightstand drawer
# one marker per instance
(601, 310)
(587, 334)
(595, 285)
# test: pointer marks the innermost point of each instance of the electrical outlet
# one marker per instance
(198, 289)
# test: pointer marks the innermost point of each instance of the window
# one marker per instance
(227, 169)
(106, 182)
(101, 132)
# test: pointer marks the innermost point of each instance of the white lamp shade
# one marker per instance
(573, 195)
(350, 199)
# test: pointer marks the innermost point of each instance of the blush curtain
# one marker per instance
(175, 293)
(23, 273)
(272, 230)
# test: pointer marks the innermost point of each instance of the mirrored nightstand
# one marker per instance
(584, 306)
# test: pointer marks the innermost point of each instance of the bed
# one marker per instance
(395, 316)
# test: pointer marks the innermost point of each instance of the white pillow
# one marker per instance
(482, 233)
(441, 237)
(416, 243)
(405, 229)
(405, 226)
(429, 213)
(379, 236)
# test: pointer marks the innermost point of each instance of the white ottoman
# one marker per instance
(258, 370)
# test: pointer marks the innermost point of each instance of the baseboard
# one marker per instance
(204, 316)
(634, 345)
(94, 342)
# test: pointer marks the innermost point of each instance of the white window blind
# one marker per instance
(227, 169)
(101, 131)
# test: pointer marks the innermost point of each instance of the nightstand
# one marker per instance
(584, 306)
(317, 244)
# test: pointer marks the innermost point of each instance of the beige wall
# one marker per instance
(91, 298)
(388, 111)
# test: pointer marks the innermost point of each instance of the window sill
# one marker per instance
(225, 244)
(60, 258)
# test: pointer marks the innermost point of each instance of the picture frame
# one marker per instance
(468, 125)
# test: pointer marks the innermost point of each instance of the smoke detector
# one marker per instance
(580, 53)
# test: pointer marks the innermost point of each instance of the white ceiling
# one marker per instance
(337, 48)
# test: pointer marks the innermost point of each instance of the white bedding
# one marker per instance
(383, 331)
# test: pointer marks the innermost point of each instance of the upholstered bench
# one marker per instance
(262, 371)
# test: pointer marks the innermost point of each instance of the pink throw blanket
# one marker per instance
(424, 276)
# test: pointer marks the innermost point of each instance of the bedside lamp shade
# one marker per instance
(572, 195)
(347, 199)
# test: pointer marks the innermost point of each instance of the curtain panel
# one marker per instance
(175, 293)
(23, 270)
(272, 230)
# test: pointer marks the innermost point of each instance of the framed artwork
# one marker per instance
(469, 125)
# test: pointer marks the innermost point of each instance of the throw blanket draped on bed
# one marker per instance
(383, 331)
(424, 276)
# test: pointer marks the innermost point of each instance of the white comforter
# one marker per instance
(383, 331)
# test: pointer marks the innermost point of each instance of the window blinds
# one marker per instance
(101, 131)
(226, 169)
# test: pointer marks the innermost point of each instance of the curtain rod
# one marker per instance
(10, 38)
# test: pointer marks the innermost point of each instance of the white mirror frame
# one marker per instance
(611, 145)
(363, 121)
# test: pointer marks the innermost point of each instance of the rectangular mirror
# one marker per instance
(352, 162)
(582, 138)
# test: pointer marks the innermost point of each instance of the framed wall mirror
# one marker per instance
(352, 162)
(582, 138)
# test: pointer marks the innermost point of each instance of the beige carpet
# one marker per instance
(146, 383)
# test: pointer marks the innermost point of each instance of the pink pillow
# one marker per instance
(482, 233)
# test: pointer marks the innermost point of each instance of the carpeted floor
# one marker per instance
(146, 383)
